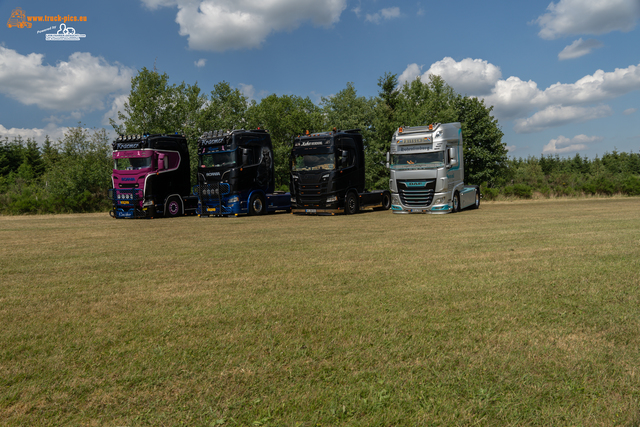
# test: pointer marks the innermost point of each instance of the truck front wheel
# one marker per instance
(173, 207)
(351, 204)
(257, 205)
(456, 202)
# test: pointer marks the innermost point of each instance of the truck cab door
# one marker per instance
(346, 175)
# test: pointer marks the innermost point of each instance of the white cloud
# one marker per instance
(557, 115)
(54, 132)
(116, 105)
(563, 145)
(469, 76)
(515, 98)
(247, 90)
(200, 62)
(597, 87)
(81, 83)
(579, 48)
(410, 73)
(629, 111)
(388, 13)
(220, 25)
(572, 17)
(155, 4)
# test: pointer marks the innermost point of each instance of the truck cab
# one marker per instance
(328, 174)
(151, 177)
(427, 170)
(236, 174)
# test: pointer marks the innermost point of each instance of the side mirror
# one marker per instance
(453, 156)
(388, 159)
(246, 156)
(162, 161)
(345, 159)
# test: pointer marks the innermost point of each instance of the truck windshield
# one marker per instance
(308, 162)
(426, 160)
(218, 159)
(131, 163)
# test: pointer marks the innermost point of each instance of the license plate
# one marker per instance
(124, 203)
(417, 210)
(211, 209)
(310, 210)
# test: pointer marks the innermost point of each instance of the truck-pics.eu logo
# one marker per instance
(19, 19)
(65, 34)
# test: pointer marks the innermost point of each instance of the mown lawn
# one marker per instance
(519, 313)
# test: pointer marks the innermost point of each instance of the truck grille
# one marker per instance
(211, 195)
(417, 193)
(126, 197)
(311, 194)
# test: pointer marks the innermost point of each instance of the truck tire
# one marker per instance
(257, 205)
(476, 204)
(351, 203)
(386, 202)
(173, 207)
(456, 202)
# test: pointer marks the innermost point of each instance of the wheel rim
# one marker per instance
(257, 205)
(352, 204)
(173, 208)
(455, 203)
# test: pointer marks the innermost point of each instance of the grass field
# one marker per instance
(519, 313)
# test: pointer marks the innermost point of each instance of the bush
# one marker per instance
(631, 186)
(489, 193)
(518, 190)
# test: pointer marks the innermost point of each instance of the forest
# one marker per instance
(74, 174)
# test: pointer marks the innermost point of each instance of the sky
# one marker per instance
(563, 77)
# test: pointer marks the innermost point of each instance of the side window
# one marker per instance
(347, 145)
(352, 156)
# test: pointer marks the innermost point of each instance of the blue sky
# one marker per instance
(563, 77)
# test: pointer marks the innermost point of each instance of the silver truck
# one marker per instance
(427, 170)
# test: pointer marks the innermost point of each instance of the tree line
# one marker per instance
(73, 174)
(69, 175)
(553, 176)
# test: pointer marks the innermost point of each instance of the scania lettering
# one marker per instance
(427, 170)
(328, 175)
(151, 177)
(236, 174)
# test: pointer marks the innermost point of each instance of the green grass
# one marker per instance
(523, 313)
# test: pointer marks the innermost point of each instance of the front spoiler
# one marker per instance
(312, 211)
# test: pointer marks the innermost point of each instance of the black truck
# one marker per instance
(328, 174)
(236, 174)
(151, 177)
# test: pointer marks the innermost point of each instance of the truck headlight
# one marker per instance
(331, 199)
(233, 199)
